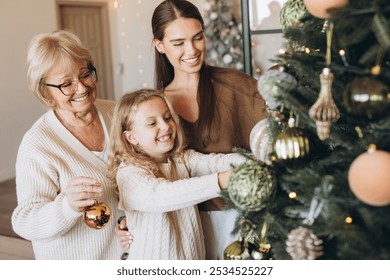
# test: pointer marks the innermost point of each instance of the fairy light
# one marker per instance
(342, 55)
(292, 195)
(348, 220)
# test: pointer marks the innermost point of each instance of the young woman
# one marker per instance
(159, 181)
(218, 107)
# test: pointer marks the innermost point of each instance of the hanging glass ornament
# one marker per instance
(261, 142)
(324, 111)
(367, 96)
(97, 215)
(251, 184)
(291, 143)
(369, 177)
(274, 83)
(302, 244)
(318, 200)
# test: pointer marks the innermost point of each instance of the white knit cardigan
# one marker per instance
(162, 215)
(48, 157)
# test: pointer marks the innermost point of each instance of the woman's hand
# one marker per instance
(124, 237)
(223, 178)
(82, 192)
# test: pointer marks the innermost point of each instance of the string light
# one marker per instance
(115, 4)
(292, 195)
(342, 55)
(348, 220)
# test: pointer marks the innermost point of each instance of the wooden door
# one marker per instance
(90, 23)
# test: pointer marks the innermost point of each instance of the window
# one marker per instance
(262, 34)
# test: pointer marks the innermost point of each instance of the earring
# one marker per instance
(161, 52)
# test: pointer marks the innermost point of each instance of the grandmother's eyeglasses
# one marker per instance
(87, 78)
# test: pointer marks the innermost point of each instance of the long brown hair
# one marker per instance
(163, 15)
(124, 152)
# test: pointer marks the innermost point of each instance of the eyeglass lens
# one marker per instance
(87, 79)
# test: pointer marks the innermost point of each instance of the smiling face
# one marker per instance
(184, 44)
(83, 98)
(153, 129)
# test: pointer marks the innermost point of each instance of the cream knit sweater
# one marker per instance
(162, 215)
(48, 157)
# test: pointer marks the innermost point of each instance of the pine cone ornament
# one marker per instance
(251, 184)
(302, 244)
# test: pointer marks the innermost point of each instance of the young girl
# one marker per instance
(157, 178)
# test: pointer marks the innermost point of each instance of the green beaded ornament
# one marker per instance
(251, 184)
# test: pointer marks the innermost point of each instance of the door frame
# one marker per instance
(103, 6)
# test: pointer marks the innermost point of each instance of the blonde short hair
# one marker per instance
(48, 50)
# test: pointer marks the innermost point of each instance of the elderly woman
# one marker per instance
(62, 162)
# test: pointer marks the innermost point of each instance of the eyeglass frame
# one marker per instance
(90, 68)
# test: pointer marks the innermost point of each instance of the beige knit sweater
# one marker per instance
(162, 215)
(48, 157)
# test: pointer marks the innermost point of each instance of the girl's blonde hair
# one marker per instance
(47, 51)
(122, 150)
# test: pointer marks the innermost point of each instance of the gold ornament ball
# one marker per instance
(367, 96)
(369, 177)
(319, 8)
(291, 143)
(233, 251)
(97, 215)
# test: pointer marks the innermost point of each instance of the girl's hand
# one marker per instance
(223, 178)
(124, 237)
(82, 192)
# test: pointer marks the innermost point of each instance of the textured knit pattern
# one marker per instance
(48, 157)
(162, 214)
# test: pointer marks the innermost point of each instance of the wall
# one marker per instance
(135, 42)
(19, 22)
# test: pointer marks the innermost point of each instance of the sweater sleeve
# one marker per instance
(42, 213)
(202, 164)
(250, 108)
(141, 191)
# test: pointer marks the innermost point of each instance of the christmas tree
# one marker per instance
(318, 182)
(223, 34)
